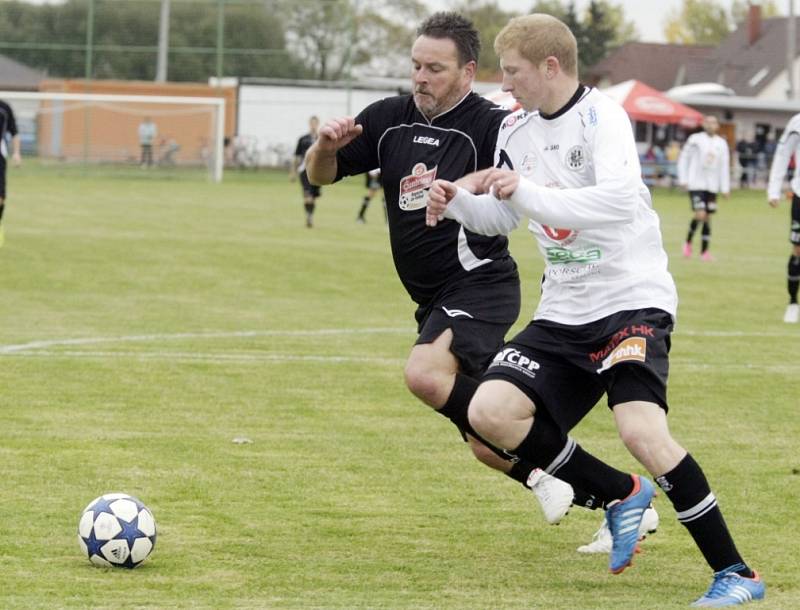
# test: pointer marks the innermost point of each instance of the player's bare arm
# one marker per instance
(321, 157)
(16, 156)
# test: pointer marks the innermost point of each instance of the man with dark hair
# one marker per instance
(465, 285)
(310, 191)
(8, 127)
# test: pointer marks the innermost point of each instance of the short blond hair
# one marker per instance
(537, 37)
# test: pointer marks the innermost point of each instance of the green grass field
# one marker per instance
(146, 323)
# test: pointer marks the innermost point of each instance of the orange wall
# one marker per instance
(113, 128)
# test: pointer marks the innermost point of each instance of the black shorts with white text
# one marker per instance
(566, 369)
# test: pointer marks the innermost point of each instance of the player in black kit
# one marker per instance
(310, 191)
(8, 125)
(465, 285)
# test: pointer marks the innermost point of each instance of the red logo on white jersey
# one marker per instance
(557, 234)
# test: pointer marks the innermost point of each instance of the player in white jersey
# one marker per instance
(608, 302)
(789, 145)
(704, 168)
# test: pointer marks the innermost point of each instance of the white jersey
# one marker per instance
(590, 212)
(788, 145)
(705, 164)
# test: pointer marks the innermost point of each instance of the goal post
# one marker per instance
(99, 128)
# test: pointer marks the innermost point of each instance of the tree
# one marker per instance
(601, 28)
(333, 36)
(52, 37)
(489, 19)
(697, 22)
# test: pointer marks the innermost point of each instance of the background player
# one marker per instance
(789, 145)
(8, 128)
(310, 191)
(608, 302)
(704, 169)
(373, 178)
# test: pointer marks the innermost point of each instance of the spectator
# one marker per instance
(147, 135)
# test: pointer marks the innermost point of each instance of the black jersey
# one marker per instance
(412, 152)
(7, 124)
(303, 144)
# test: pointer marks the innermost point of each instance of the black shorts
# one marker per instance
(567, 369)
(2, 177)
(794, 231)
(309, 189)
(705, 201)
(373, 182)
(480, 312)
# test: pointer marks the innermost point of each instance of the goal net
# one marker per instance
(105, 131)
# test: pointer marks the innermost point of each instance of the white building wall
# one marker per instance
(777, 88)
(272, 117)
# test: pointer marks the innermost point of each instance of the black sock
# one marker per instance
(551, 450)
(706, 234)
(692, 228)
(2, 207)
(364, 205)
(520, 471)
(587, 500)
(455, 409)
(792, 283)
(688, 490)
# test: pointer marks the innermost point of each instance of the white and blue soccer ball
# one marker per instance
(116, 530)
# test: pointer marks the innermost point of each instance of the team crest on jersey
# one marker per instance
(414, 188)
(576, 158)
(528, 164)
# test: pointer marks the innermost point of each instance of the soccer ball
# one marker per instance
(116, 530)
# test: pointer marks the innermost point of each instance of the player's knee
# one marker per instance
(485, 416)
(424, 383)
(643, 441)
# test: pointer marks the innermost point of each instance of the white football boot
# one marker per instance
(554, 495)
(601, 541)
(792, 315)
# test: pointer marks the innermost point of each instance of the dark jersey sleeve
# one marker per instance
(300, 149)
(361, 155)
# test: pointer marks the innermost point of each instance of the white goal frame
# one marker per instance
(216, 104)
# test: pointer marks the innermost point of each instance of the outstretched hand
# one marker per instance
(440, 194)
(337, 133)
